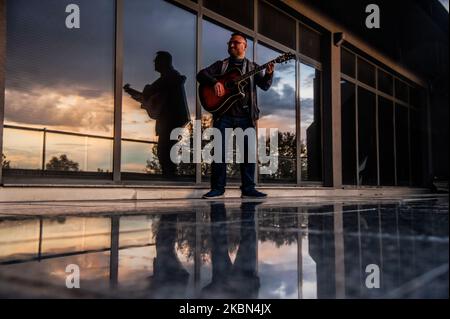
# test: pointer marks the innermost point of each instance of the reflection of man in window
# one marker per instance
(165, 101)
(242, 114)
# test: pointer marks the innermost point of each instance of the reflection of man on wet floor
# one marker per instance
(238, 280)
(170, 94)
(169, 278)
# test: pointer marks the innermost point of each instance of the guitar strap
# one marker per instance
(226, 62)
(224, 66)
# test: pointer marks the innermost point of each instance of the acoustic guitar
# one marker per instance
(234, 82)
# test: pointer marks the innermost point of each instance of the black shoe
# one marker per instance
(253, 193)
(214, 194)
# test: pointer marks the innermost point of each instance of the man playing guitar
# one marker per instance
(241, 114)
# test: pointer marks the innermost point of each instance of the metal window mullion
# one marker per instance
(273, 44)
(356, 125)
(409, 137)
(321, 130)
(185, 3)
(255, 45)
(394, 107)
(44, 148)
(429, 135)
(298, 111)
(198, 108)
(376, 129)
(309, 61)
(2, 77)
(118, 83)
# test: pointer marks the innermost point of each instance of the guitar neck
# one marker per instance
(255, 71)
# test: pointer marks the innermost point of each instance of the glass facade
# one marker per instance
(382, 129)
(60, 94)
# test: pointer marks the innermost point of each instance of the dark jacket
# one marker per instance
(207, 77)
(174, 110)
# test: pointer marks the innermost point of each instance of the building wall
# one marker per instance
(63, 94)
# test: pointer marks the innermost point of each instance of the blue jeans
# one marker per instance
(219, 170)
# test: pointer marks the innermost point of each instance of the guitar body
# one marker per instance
(234, 91)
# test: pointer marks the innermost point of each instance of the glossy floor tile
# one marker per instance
(290, 249)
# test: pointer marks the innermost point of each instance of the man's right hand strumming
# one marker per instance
(220, 89)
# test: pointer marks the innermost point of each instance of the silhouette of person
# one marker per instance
(239, 279)
(169, 278)
(165, 100)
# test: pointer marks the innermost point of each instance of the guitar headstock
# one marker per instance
(285, 57)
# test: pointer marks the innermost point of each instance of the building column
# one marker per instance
(332, 156)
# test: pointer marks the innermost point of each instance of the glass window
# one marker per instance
(310, 121)
(367, 143)
(60, 79)
(417, 97)
(385, 82)
(417, 134)
(22, 149)
(277, 107)
(78, 154)
(214, 48)
(347, 63)
(310, 43)
(386, 141)
(151, 27)
(138, 157)
(401, 90)
(285, 26)
(241, 13)
(366, 72)
(348, 133)
(402, 144)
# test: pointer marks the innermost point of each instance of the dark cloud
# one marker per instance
(273, 102)
(41, 50)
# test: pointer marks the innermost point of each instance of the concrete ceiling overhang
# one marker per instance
(413, 33)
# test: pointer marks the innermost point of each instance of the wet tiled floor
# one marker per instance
(277, 248)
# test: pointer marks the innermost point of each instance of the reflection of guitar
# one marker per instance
(234, 83)
(135, 95)
(152, 105)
